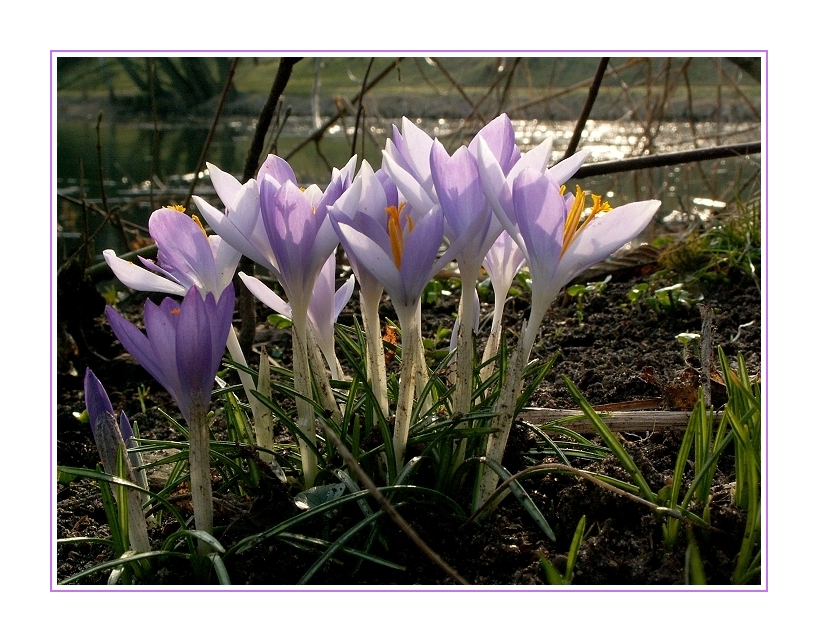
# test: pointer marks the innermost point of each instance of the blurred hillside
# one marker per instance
(697, 88)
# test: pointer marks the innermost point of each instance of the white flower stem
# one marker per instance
(303, 385)
(501, 424)
(262, 418)
(408, 375)
(200, 488)
(418, 357)
(265, 437)
(465, 345)
(493, 342)
(375, 363)
(328, 401)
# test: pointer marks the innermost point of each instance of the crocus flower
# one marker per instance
(183, 344)
(182, 348)
(557, 246)
(109, 439)
(503, 261)
(287, 232)
(471, 225)
(547, 226)
(402, 253)
(325, 305)
(186, 257)
(370, 196)
(243, 224)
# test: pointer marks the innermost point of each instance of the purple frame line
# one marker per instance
(408, 51)
(341, 51)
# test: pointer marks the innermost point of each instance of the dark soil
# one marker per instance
(621, 352)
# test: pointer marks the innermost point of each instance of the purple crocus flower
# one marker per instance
(325, 305)
(186, 257)
(401, 252)
(402, 256)
(556, 246)
(246, 222)
(370, 196)
(182, 348)
(183, 343)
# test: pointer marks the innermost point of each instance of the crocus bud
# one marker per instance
(109, 440)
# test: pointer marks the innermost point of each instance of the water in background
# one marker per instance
(127, 165)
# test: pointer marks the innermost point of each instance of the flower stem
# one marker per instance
(328, 401)
(303, 385)
(418, 357)
(465, 344)
(262, 418)
(493, 342)
(200, 489)
(376, 365)
(408, 374)
(502, 422)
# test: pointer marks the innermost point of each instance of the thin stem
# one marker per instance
(503, 419)
(261, 416)
(418, 357)
(376, 365)
(465, 344)
(408, 375)
(199, 457)
(319, 372)
(493, 342)
(303, 385)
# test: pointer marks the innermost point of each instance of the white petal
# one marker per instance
(565, 169)
(266, 295)
(414, 193)
(139, 278)
(226, 185)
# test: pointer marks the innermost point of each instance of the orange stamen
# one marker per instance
(396, 231)
(199, 223)
(572, 227)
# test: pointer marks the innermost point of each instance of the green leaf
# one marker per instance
(318, 495)
(611, 441)
(279, 322)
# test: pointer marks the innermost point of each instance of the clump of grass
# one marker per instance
(724, 248)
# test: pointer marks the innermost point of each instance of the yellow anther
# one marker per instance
(572, 227)
(396, 231)
(599, 205)
(199, 223)
(178, 208)
(176, 311)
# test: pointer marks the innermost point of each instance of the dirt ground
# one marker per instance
(619, 352)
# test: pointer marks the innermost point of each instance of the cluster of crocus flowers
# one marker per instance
(486, 205)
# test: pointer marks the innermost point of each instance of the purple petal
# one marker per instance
(278, 169)
(606, 234)
(499, 136)
(541, 218)
(458, 188)
(183, 249)
(96, 400)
